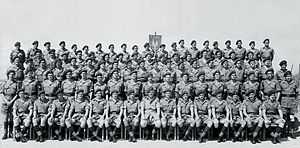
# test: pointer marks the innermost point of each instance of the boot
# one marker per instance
(18, 133)
(292, 127)
(153, 133)
(170, 129)
(60, 138)
(43, 128)
(221, 135)
(96, 134)
(133, 136)
(5, 126)
(11, 129)
(238, 133)
(278, 131)
(255, 134)
(77, 134)
(185, 137)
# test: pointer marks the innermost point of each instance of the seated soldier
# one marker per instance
(220, 113)
(150, 112)
(168, 113)
(114, 114)
(78, 114)
(22, 112)
(59, 112)
(41, 113)
(252, 112)
(236, 118)
(185, 112)
(132, 113)
(97, 113)
(272, 114)
(202, 115)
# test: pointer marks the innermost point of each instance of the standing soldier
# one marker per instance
(194, 50)
(280, 73)
(233, 87)
(240, 71)
(142, 73)
(17, 52)
(41, 70)
(166, 85)
(220, 113)
(132, 112)
(253, 68)
(288, 93)
(150, 113)
(250, 85)
(9, 91)
(209, 71)
(225, 71)
(72, 53)
(253, 115)
(99, 52)
(62, 50)
(85, 84)
(185, 112)
(41, 113)
(114, 114)
(182, 49)
(147, 50)
(272, 114)
(51, 60)
(267, 65)
(18, 67)
(50, 86)
(227, 50)
(256, 53)
(240, 50)
(266, 52)
(33, 50)
(174, 50)
(202, 112)
(269, 85)
(156, 73)
(78, 114)
(47, 49)
(22, 112)
(68, 86)
(59, 113)
(97, 114)
(168, 113)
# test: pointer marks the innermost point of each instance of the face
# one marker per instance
(288, 78)
(168, 94)
(239, 44)
(185, 78)
(228, 44)
(68, 75)
(283, 66)
(168, 78)
(134, 76)
(74, 48)
(181, 43)
(232, 56)
(194, 44)
(47, 46)
(273, 97)
(188, 57)
(238, 64)
(252, 77)
(99, 78)
(201, 77)
(151, 93)
(98, 94)
(35, 45)
(252, 45)
(73, 61)
(79, 54)
(252, 96)
(50, 76)
(270, 75)
(233, 76)
(99, 47)
(185, 96)
(219, 55)
(63, 45)
(250, 56)
(115, 75)
(201, 96)
(84, 75)
(111, 48)
(21, 94)
(43, 63)
(219, 96)
(216, 45)
(80, 95)
(225, 64)
(206, 44)
(217, 76)
(267, 43)
(268, 63)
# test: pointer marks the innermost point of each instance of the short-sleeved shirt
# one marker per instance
(115, 105)
(85, 85)
(134, 86)
(132, 106)
(235, 107)
(23, 106)
(252, 107)
(288, 88)
(216, 86)
(60, 106)
(271, 107)
(100, 86)
(98, 105)
(167, 105)
(166, 87)
(202, 106)
(68, 86)
(30, 86)
(250, 86)
(150, 103)
(269, 86)
(114, 85)
(218, 105)
(50, 87)
(266, 53)
(199, 87)
(148, 86)
(79, 107)
(182, 87)
(233, 88)
(9, 89)
(42, 107)
(185, 106)
(240, 53)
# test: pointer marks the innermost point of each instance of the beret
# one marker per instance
(82, 70)
(80, 91)
(231, 52)
(98, 90)
(173, 44)
(99, 44)
(251, 73)
(162, 45)
(232, 72)
(283, 62)
(35, 42)
(21, 90)
(180, 41)
(193, 42)
(217, 71)
(267, 59)
(111, 45)
(123, 45)
(62, 42)
(114, 91)
(288, 73)
(269, 70)
(146, 44)
(10, 71)
(266, 40)
(238, 41)
(46, 43)
(228, 41)
(17, 44)
(48, 72)
(205, 42)
(51, 51)
(78, 51)
(215, 42)
(238, 60)
(73, 46)
(224, 60)
(185, 73)
(252, 42)
(201, 73)
(250, 91)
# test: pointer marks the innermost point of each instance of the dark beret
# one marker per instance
(193, 42)
(162, 45)
(238, 41)
(114, 91)
(146, 45)
(62, 42)
(250, 91)
(41, 92)
(201, 73)
(283, 62)
(267, 59)
(35, 42)
(269, 70)
(232, 72)
(217, 71)
(17, 44)
(78, 51)
(48, 72)
(287, 73)
(99, 44)
(98, 74)
(184, 73)
(111, 45)
(51, 51)
(205, 42)
(123, 45)
(224, 60)
(252, 42)
(21, 90)
(82, 70)
(231, 52)
(180, 41)
(173, 44)
(46, 43)
(251, 73)
(215, 42)
(266, 40)
(73, 46)
(10, 71)
(228, 41)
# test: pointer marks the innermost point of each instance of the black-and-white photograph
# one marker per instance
(149, 73)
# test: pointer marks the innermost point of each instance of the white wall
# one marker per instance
(117, 21)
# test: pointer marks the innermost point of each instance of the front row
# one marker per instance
(151, 114)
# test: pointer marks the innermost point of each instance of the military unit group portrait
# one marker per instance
(183, 91)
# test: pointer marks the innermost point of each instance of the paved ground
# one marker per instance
(149, 144)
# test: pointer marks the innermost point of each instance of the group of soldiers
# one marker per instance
(71, 91)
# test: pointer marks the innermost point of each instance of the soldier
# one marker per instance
(209, 71)
(280, 73)
(115, 83)
(266, 52)
(112, 54)
(51, 60)
(224, 71)
(50, 86)
(216, 86)
(250, 85)
(206, 48)
(150, 113)
(9, 91)
(58, 69)
(256, 53)
(289, 90)
(72, 53)
(32, 51)
(90, 69)
(133, 85)
(218, 59)
(132, 112)
(200, 85)
(168, 114)
(253, 68)
(17, 52)
(272, 114)
(194, 50)
(45, 52)
(236, 117)
(240, 51)
(220, 114)
(183, 86)
(85, 84)
(40, 72)
(142, 73)
(202, 112)
(62, 50)
(115, 108)
(79, 58)
(99, 52)
(185, 112)
(22, 112)
(18, 67)
(97, 114)
(78, 114)
(166, 85)
(68, 86)
(227, 50)
(31, 86)
(148, 85)
(216, 48)
(162, 53)
(253, 115)
(269, 85)
(147, 50)
(174, 50)
(267, 65)
(240, 71)
(182, 49)
(156, 73)
(58, 116)
(41, 113)
(86, 52)
(100, 85)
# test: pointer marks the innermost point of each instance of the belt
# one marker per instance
(288, 95)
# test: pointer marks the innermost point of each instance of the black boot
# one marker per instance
(11, 129)
(96, 135)
(187, 133)
(5, 127)
(60, 137)
(133, 135)
(170, 130)
(238, 133)
(255, 134)
(24, 132)
(78, 134)
(43, 128)
(153, 133)
(278, 134)
(222, 134)
(18, 133)
(202, 135)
